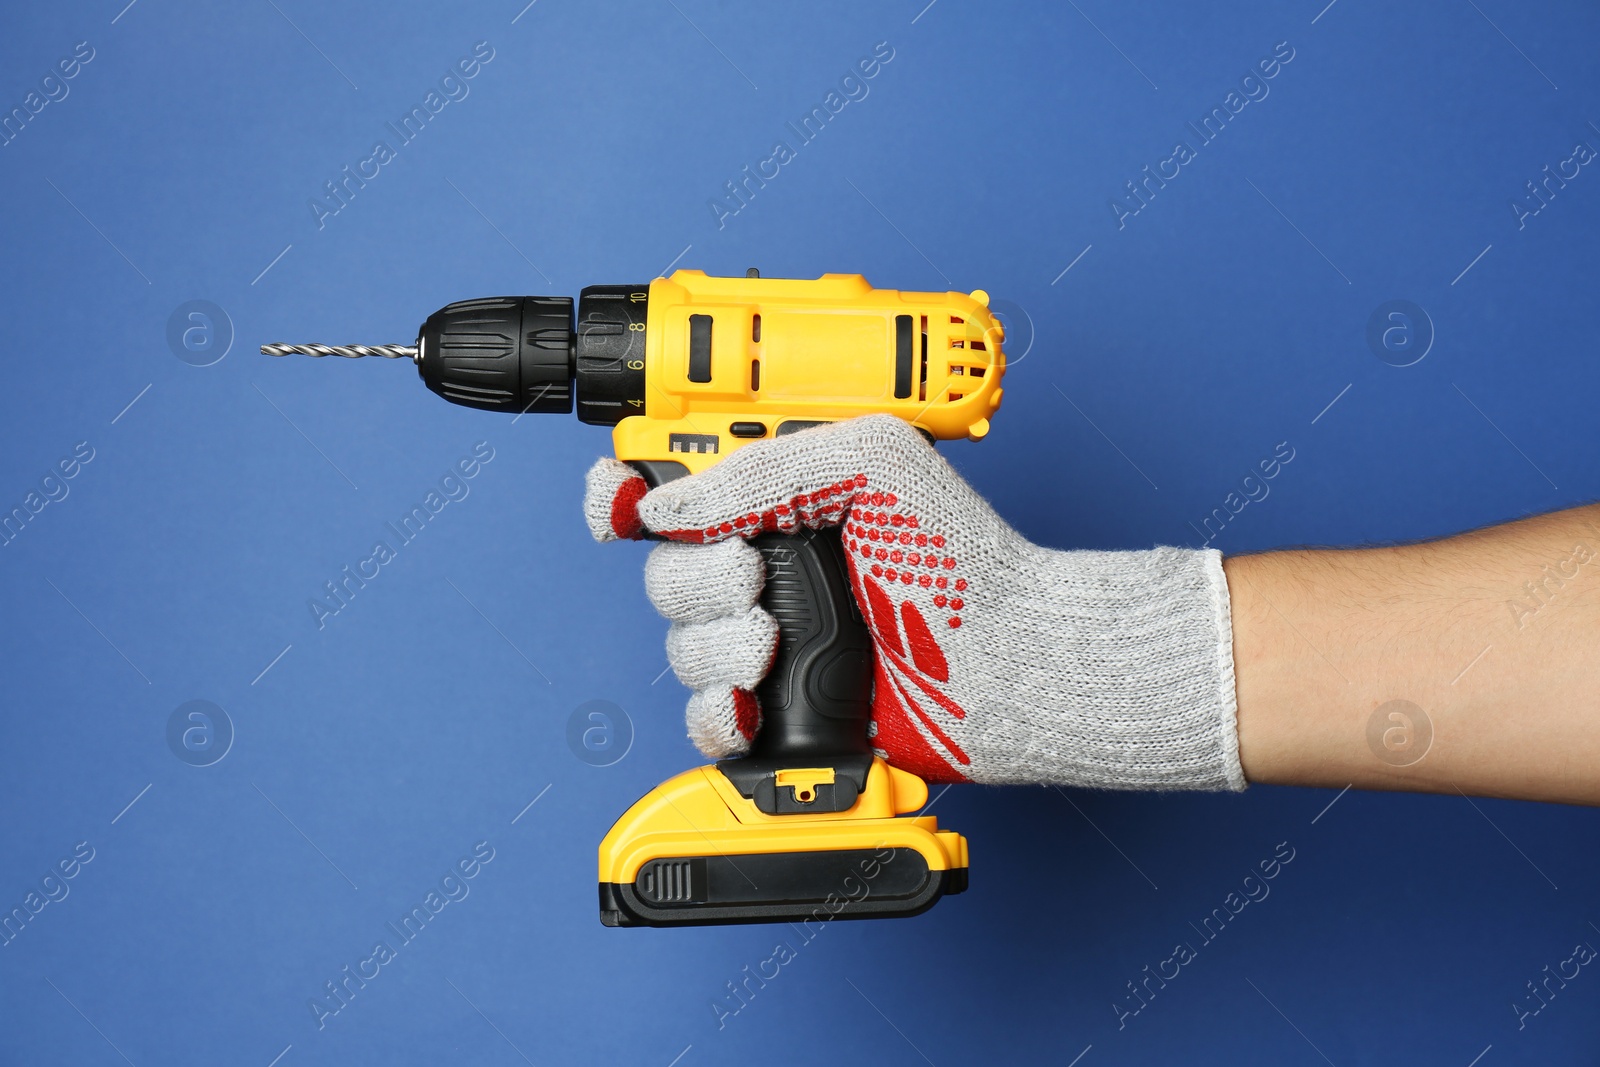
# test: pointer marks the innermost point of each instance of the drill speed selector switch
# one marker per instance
(687, 370)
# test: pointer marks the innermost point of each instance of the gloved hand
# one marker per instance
(997, 660)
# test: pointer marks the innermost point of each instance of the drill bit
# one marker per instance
(348, 351)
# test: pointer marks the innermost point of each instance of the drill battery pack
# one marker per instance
(697, 851)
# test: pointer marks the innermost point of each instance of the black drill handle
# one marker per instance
(817, 695)
(816, 698)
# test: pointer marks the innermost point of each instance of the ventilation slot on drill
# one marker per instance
(902, 356)
(965, 370)
(755, 364)
(699, 348)
(922, 386)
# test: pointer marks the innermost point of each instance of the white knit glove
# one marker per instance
(998, 661)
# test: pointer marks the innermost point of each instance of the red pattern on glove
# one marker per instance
(746, 713)
(625, 521)
(883, 546)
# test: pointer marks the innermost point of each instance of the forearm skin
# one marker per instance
(1494, 634)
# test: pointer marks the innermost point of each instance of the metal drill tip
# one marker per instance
(348, 351)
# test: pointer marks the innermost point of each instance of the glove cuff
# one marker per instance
(1129, 681)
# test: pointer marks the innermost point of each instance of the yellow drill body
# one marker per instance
(777, 354)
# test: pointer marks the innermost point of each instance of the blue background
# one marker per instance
(1147, 380)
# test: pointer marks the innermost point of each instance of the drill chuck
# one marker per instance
(528, 353)
(501, 353)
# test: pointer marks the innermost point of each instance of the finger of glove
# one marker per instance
(612, 491)
(734, 651)
(723, 721)
(802, 479)
(698, 583)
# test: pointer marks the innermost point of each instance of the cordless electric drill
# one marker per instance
(686, 370)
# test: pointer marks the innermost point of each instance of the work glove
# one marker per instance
(998, 660)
